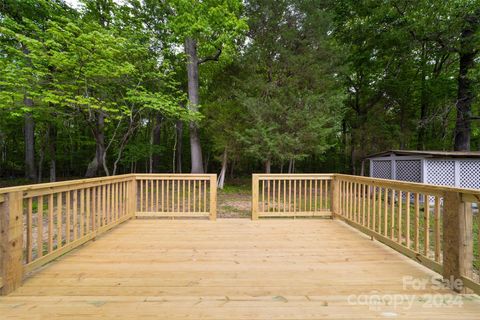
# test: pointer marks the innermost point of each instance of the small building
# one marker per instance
(459, 169)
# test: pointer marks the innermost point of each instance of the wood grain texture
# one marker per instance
(227, 269)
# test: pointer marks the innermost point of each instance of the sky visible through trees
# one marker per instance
(102, 87)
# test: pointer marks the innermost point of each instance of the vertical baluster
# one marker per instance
(289, 195)
(372, 191)
(68, 216)
(263, 195)
(321, 195)
(199, 195)
(379, 210)
(407, 220)
(59, 220)
(29, 230)
(400, 213)
(50, 222)
(274, 200)
(365, 208)
(104, 205)
(183, 196)
(163, 192)
(284, 196)
(167, 198)
(141, 196)
(88, 207)
(310, 195)
(75, 215)
(189, 182)
(152, 192)
(95, 208)
(305, 195)
(82, 212)
(359, 199)
(40, 227)
(268, 194)
(354, 212)
(426, 226)
(194, 195)
(392, 214)
(157, 192)
(294, 196)
(115, 201)
(205, 196)
(437, 229)
(369, 209)
(417, 222)
(385, 212)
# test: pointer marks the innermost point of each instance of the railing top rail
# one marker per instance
(293, 175)
(51, 185)
(185, 176)
(471, 195)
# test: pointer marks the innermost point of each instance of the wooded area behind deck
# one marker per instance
(103, 87)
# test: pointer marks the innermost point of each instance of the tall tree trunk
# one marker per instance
(52, 148)
(157, 130)
(423, 107)
(98, 161)
(179, 147)
(232, 166)
(193, 97)
(221, 176)
(465, 95)
(29, 132)
(268, 166)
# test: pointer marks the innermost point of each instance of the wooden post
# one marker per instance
(132, 197)
(254, 197)
(213, 197)
(457, 238)
(335, 192)
(11, 242)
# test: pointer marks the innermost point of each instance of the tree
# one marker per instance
(208, 28)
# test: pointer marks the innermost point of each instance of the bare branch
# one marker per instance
(215, 57)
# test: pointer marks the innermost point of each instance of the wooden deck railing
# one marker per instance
(41, 222)
(291, 195)
(434, 225)
(178, 195)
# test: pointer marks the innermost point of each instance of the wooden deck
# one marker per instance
(231, 269)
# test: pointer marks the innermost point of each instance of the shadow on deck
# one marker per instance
(235, 269)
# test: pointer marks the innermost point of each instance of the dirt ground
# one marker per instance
(235, 200)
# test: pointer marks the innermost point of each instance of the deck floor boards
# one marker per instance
(231, 269)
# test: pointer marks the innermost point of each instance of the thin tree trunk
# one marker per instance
(98, 161)
(179, 147)
(232, 166)
(29, 132)
(268, 166)
(423, 108)
(221, 176)
(206, 162)
(193, 96)
(465, 95)
(290, 165)
(157, 131)
(52, 141)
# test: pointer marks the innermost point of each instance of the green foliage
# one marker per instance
(318, 84)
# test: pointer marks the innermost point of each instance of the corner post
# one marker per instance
(11, 241)
(457, 238)
(132, 196)
(254, 197)
(213, 197)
